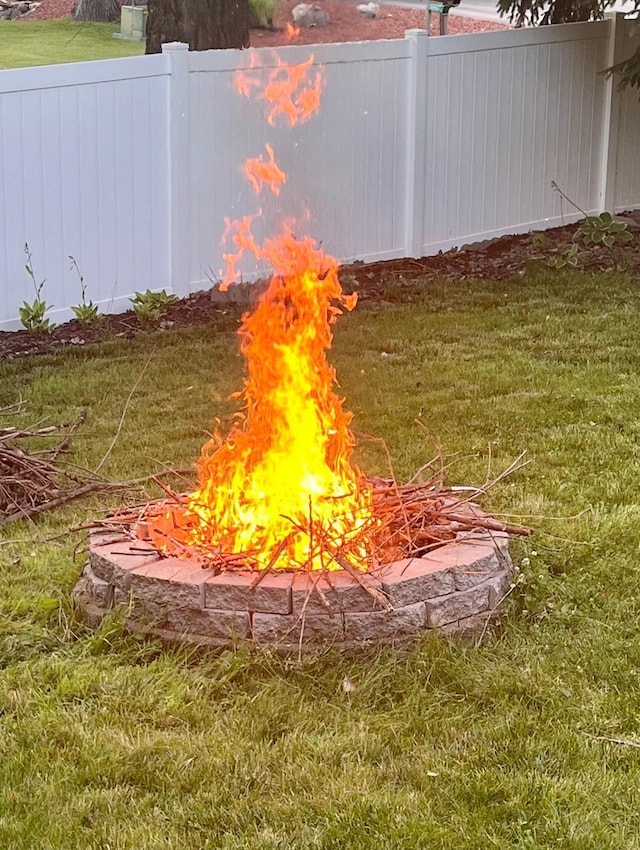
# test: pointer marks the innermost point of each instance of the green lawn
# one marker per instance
(526, 742)
(24, 43)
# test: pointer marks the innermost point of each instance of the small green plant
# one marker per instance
(594, 231)
(568, 255)
(150, 306)
(603, 230)
(539, 240)
(32, 315)
(86, 312)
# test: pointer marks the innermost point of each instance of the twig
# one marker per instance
(418, 473)
(64, 445)
(12, 409)
(94, 486)
(492, 611)
(487, 522)
(623, 742)
(379, 597)
(433, 440)
(557, 188)
(394, 486)
(124, 413)
(322, 594)
(166, 489)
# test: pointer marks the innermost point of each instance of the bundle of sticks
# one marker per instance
(406, 521)
(36, 474)
(32, 473)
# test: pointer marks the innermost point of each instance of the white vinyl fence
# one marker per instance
(131, 166)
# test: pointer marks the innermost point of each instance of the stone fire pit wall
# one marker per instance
(456, 588)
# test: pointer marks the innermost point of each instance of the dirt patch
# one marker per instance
(346, 23)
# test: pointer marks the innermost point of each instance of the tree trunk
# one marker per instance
(96, 10)
(202, 24)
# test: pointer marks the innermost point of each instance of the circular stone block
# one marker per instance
(455, 588)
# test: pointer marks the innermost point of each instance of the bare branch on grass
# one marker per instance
(623, 742)
(124, 413)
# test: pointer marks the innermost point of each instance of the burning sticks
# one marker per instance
(407, 522)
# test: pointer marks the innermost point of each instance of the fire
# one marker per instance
(289, 91)
(260, 173)
(281, 488)
(283, 476)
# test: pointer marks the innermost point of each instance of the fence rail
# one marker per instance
(130, 166)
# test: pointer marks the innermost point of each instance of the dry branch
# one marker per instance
(36, 477)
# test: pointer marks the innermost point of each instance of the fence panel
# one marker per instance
(510, 113)
(84, 165)
(627, 170)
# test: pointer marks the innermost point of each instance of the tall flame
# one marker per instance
(285, 470)
(281, 487)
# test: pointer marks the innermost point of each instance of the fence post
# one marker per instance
(417, 117)
(611, 117)
(179, 174)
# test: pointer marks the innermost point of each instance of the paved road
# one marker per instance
(485, 10)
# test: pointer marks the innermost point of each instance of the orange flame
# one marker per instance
(239, 232)
(281, 488)
(290, 91)
(259, 173)
(285, 467)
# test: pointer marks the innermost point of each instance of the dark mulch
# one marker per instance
(394, 280)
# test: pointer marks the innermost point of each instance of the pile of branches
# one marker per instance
(33, 476)
(36, 474)
(414, 519)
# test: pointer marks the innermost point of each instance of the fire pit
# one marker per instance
(454, 589)
(284, 541)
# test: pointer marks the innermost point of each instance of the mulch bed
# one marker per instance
(390, 280)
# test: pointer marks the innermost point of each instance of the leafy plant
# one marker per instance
(594, 231)
(603, 230)
(540, 241)
(86, 312)
(150, 306)
(569, 255)
(32, 315)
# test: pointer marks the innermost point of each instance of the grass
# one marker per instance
(53, 42)
(109, 741)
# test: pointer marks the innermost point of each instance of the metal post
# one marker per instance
(442, 9)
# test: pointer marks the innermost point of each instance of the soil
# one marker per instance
(391, 280)
(346, 23)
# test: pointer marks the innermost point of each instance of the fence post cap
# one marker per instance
(173, 46)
